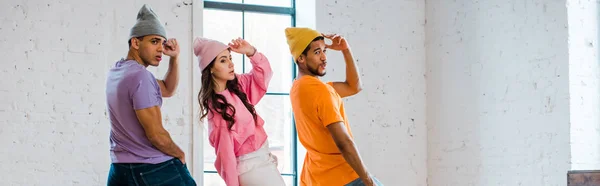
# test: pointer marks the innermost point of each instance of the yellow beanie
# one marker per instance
(299, 38)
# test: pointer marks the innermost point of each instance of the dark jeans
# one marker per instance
(171, 172)
(359, 182)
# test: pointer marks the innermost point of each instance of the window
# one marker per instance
(262, 23)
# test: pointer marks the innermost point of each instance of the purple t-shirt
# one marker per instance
(130, 87)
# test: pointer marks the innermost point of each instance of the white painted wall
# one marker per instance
(584, 76)
(388, 116)
(497, 92)
(56, 54)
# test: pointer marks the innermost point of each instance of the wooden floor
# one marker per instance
(583, 178)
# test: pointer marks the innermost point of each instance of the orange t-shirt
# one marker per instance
(315, 105)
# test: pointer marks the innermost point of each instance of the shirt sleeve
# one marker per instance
(225, 163)
(256, 82)
(328, 106)
(144, 91)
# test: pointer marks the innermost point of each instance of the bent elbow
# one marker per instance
(358, 88)
(168, 94)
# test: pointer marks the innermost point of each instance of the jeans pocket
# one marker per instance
(186, 176)
(162, 174)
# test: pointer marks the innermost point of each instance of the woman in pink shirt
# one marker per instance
(227, 101)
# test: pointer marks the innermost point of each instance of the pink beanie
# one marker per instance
(206, 50)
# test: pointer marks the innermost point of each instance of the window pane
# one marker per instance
(223, 26)
(289, 181)
(295, 67)
(266, 33)
(276, 111)
(281, 3)
(209, 151)
(227, 1)
(213, 179)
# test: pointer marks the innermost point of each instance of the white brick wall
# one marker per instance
(584, 84)
(497, 92)
(388, 116)
(54, 126)
(497, 73)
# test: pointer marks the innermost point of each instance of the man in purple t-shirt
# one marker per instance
(141, 150)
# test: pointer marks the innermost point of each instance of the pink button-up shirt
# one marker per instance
(245, 136)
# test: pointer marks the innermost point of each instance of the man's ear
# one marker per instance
(301, 58)
(135, 43)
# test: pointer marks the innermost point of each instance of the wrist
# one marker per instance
(175, 57)
(365, 176)
(367, 180)
(252, 52)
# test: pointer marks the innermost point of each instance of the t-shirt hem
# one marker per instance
(332, 122)
(145, 106)
(126, 157)
(340, 181)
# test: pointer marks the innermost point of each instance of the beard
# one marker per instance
(315, 71)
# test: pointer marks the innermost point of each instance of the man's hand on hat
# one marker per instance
(337, 42)
(242, 46)
(171, 48)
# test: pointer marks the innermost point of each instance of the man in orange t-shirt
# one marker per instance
(332, 158)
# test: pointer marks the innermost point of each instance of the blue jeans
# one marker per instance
(171, 172)
(359, 182)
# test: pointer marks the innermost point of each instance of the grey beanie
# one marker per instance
(147, 24)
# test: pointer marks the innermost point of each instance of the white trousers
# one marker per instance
(259, 168)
